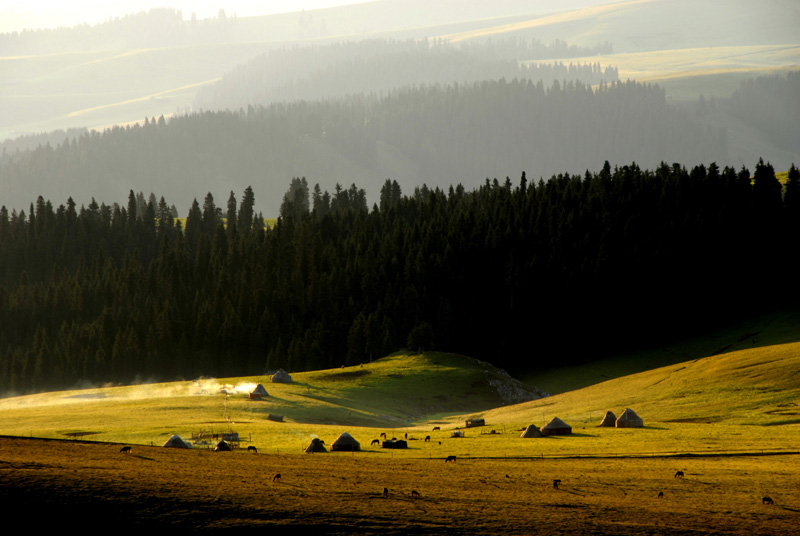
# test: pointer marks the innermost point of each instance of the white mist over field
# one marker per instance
(200, 387)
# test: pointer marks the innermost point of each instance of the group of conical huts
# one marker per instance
(555, 427)
(344, 443)
(628, 419)
(281, 376)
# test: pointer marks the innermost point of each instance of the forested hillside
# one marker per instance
(439, 135)
(521, 274)
(379, 65)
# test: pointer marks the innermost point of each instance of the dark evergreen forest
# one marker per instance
(522, 274)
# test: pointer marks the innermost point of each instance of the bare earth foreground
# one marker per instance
(61, 484)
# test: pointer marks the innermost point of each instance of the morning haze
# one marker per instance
(164, 63)
(402, 266)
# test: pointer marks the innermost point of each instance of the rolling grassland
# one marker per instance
(730, 422)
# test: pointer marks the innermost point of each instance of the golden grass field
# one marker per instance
(729, 421)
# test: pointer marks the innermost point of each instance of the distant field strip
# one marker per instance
(165, 93)
(680, 63)
(558, 18)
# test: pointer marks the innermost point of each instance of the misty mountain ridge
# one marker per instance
(439, 135)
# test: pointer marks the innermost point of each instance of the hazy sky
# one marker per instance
(18, 15)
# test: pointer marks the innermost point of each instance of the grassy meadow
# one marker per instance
(729, 421)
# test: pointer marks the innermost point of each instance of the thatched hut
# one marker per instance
(532, 431)
(345, 442)
(176, 442)
(281, 377)
(316, 446)
(556, 427)
(629, 419)
(609, 421)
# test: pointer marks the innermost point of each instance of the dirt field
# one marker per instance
(62, 484)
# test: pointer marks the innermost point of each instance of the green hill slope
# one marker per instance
(396, 391)
(744, 400)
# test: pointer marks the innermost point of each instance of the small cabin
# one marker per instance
(471, 423)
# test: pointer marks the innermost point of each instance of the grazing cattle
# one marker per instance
(252, 449)
(767, 500)
(660, 494)
(126, 449)
(450, 459)
(427, 439)
(277, 477)
(385, 492)
(556, 482)
(375, 442)
(436, 428)
(415, 494)
(679, 474)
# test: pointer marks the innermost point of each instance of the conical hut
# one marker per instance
(176, 442)
(532, 431)
(609, 420)
(223, 446)
(345, 442)
(629, 419)
(259, 392)
(316, 446)
(281, 377)
(556, 427)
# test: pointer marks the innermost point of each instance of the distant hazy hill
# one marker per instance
(433, 134)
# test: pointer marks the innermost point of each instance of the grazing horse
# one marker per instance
(660, 494)
(415, 494)
(385, 492)
(767, 500)
(450, 459)
(252, 449)
(277, 477)
(126, 449)
(375, 442)
(679, 474)
(383, 435)
(556, 482)
(436, 428)
(427, 439)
